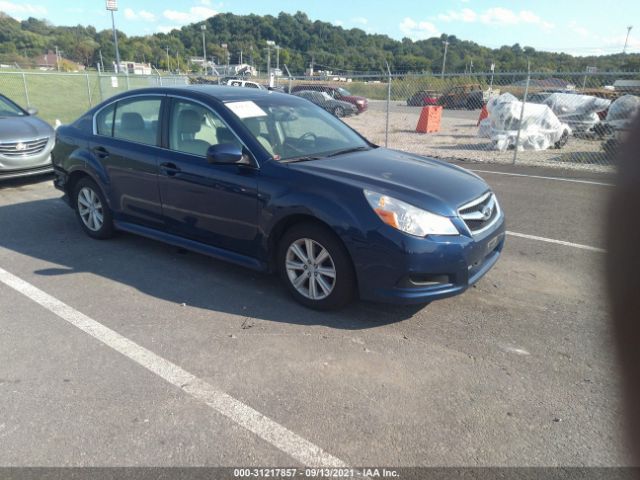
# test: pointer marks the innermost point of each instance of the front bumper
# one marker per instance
(398, 268)
(27, 171)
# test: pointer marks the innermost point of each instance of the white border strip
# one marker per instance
(557, 242)
(559, 179)
(280, 437)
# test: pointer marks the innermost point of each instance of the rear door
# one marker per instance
(127, 145)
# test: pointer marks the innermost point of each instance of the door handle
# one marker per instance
(101, 152)
(169, 169)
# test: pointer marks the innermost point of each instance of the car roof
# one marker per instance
(223, 93)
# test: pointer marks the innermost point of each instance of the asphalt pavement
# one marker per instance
(517, 371)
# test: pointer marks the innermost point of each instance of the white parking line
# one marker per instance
(559, 179)
(558, 242)
(280, 437)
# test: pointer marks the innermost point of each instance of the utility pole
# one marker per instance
(168, 60)
(177, 60)
(57, 58)
(112, 6)
(278, 57)
(444, 59)
(204, 49)
(270, 43)
(240, 57)
(101, 61)
(626, 41)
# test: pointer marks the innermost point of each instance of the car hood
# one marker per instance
(23, 128)
(424, 182)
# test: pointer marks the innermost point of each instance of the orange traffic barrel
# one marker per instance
(483, 113)
(429, 119)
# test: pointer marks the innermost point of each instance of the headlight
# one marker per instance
(360, 102)
(407, 218)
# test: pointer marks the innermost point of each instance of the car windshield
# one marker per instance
(298, 130)
(344, 92)
(9, 109)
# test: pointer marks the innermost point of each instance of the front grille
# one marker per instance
(480, 213)
(27, 148)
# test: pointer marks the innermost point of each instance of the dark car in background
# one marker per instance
(274, 183)
(468, 97)
(338, 93)
(25, 141)
(331, 105)
(423, 98)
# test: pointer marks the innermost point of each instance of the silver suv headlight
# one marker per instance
(407, 218)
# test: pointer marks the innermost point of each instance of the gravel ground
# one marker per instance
(458, 139)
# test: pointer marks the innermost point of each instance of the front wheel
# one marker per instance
(92, 210)
(338, 112)
(316, 267)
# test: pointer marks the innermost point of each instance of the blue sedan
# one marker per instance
(274, 183)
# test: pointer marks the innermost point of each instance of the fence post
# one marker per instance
(89, 90)
(386, 128)
(524, 101)
(26, 90)
(100, 86)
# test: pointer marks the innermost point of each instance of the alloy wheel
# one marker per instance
(90, 209)
(310, 269)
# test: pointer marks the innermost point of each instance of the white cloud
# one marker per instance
(205, 2)
(496, 16)
(195, 14)
(617, 41)
(464, 15)
(418, 30)
(22, 10)
(576, 28)
(338, 23)
(360, 20)
(130, 14)
(147, 16)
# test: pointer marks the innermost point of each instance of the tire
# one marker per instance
(88, 198)
(330, 292)
(338, 112)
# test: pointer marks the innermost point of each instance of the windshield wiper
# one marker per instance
(300, 159)
(348, 150)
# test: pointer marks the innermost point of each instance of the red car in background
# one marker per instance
(423, 98)
(338, 93)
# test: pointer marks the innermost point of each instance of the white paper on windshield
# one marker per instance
(246, 109)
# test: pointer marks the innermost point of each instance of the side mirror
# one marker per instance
(225, 153)
(32, 111)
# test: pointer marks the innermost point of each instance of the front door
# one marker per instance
(214, 204)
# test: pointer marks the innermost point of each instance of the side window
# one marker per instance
(104, 121)
(252, 85)
(136, 120)
(193, 128)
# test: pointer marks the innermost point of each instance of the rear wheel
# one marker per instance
(92, 210)
(338, 112)
(316, 267)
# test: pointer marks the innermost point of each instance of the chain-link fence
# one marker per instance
(571, 120)
(549, 119)
(63, 97)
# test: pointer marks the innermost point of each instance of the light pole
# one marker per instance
(626, 40)
(270, 43)
(226, 52)
(204, 49)
(444, 59)
(112, 6)
(168, 60)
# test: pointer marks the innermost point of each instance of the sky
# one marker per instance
(575, 27)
